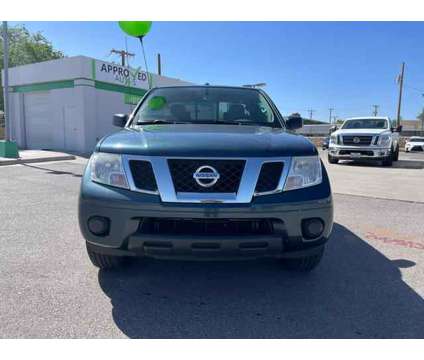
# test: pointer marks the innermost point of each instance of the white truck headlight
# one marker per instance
(304, 171)
(333, 139)
(385, 140)
(107, 169)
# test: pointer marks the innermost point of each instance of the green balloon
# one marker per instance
(135, 28)
(157, 102)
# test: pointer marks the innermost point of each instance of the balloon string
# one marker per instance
(145, 62)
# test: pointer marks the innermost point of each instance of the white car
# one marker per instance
(415, 143)
(365, 138)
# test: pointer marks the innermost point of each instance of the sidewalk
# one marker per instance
(32, 156)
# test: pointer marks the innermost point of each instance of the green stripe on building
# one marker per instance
(119, 88)
(44, 86)
(64, 84)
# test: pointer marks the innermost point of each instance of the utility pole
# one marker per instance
(6, 81)
(331, 113)
(159, 65)
(8, 148)
(375, 112)
(311, 111)
(124, 55)
(421, 117)
(400, 81)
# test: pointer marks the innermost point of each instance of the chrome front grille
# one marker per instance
(357, 140)
(182, 170)
(173, 178)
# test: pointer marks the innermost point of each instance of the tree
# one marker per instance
(26, 48)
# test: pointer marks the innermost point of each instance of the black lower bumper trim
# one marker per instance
(209, 247)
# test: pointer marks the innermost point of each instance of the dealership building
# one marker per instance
(68, 104)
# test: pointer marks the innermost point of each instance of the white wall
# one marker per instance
(53, 70)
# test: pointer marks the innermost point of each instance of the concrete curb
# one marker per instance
(35, 160)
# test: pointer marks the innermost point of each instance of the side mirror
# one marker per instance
(120, 120)
(294, 122)
(332, 129)
(399, 128)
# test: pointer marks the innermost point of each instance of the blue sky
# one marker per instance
(348, 66)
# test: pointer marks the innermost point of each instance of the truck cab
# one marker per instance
(365, 138)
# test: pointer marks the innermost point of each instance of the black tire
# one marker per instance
(303, 264)
(105, 261)
(396, 154)
(332, 160)
(388, 161)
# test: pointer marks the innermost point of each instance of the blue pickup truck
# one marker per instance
(206, 172)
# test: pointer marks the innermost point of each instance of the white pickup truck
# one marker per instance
(365, 138)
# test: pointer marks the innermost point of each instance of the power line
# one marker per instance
(124, 55)
(413, 88)
(311, 111)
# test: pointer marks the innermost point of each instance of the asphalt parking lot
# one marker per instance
(369, 285)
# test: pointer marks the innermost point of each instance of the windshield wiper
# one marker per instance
(247, 122)
(155, 122)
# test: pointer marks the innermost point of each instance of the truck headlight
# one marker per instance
(385, 140)
(304, 171)
(333, 139)
(107, 169)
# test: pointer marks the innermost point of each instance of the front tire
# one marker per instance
(104, 261)
(396, 154)
(388, 161)
(332, 160)
(303, 264)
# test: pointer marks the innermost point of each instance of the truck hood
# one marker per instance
(361, 132)
(202, 140)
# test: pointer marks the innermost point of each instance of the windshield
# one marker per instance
(206, 105)
(416, 140)
(365, 124)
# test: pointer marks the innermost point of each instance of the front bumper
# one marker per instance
(126, 209)
(358, 152)
(414, 148)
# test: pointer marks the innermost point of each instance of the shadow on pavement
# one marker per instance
(355, 292)
(52, 171)
(400, 164)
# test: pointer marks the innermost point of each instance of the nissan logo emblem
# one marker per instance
(356, 140)
(206, 176)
